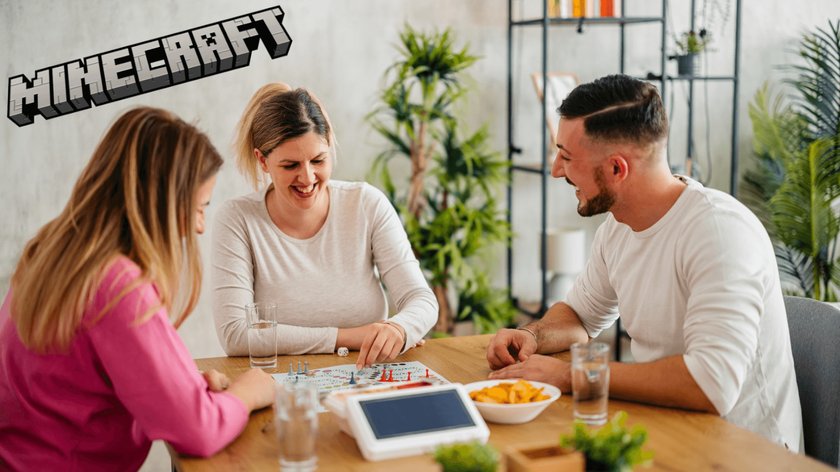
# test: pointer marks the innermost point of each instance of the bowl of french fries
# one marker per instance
(511, 401)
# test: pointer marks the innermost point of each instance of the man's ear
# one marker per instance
(619, 167)
(261, 159)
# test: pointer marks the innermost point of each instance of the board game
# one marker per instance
(345, 376)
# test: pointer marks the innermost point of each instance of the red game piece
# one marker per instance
(383, 379)
(391, 375)
(409, 377)
(427, 373)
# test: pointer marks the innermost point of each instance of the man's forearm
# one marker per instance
(558, 329)
(666, 382)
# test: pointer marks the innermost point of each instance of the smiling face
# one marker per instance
(299, 169)
(579, 161)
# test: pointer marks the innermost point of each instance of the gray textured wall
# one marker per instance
(340, 50)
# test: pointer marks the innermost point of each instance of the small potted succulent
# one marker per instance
(689, 45)
(467, 457)
(611, 448)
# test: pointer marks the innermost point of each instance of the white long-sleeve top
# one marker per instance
(702, 282)
(320, 284)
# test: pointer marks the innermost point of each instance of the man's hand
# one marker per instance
(509, 346)
(539, 368)
(384, 341)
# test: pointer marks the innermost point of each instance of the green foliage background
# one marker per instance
(448, 207)
(795, 184)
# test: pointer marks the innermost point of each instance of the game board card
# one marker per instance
(345, 376)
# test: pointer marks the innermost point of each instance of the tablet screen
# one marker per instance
(393, 417)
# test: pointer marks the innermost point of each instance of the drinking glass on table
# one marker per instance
(262, 334)
(590, 381)
(296, 421)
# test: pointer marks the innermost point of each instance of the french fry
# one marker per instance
(510, 393)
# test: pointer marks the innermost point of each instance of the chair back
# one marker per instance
(815, 341)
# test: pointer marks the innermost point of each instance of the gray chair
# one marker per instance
(815, 340)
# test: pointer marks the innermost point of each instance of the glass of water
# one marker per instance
(262, 334)
(590, 381)
(296, 421)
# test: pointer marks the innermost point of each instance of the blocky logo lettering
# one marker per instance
(144, 67)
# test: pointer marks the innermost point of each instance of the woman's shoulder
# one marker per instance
(121, 270)
(358, 190)
(123, 280)
(235, 211)
(249, 202)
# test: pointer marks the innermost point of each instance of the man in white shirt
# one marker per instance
(690, 270)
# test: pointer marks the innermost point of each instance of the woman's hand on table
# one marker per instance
(540, 368)
(216, 381)
(254, 388)
(384, 341)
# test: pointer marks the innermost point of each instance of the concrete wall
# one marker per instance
(340, 50)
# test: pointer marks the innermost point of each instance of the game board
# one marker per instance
(339, 377)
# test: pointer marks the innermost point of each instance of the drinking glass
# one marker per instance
(296, 421)
(262, 334)
(590, 382)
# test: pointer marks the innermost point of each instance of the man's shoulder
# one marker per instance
(706, 204)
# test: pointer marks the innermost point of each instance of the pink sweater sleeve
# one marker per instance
(153, 374)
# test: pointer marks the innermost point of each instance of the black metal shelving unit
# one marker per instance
(662, 79)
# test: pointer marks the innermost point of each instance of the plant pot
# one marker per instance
(595, 466)
(548, 457)
(463, 328)
(687, 64)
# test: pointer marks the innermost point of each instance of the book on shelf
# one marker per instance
(584, 8)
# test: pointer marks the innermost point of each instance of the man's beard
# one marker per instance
(600, 203)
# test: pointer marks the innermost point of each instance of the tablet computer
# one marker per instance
(402, 423)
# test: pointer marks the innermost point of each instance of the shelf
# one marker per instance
(536, 309)
(700, 77)
(531, 168)
(689, 78)
(589, 21)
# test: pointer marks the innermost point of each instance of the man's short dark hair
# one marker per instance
(618, 108)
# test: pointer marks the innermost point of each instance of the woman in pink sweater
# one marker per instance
(91, 368)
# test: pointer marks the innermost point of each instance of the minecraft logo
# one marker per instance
(133, 70)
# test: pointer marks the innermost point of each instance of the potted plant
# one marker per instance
(612, 447)
(448, 202)
(794, 185)
(550, 457)
(689, 45)
(467, 457)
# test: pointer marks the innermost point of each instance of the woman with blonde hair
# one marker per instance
(319, 249)
(91, 368)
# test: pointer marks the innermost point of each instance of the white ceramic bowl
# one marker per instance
(515, 413)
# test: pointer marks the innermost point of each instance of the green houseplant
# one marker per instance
(448, 205)
(795, 183)
(467, 457)
(689, 44)
(612, 447)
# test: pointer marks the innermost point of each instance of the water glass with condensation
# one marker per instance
(590, 381)
(262, 334)
(296, 421)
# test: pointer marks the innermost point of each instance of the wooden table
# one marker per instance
(680, 440)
